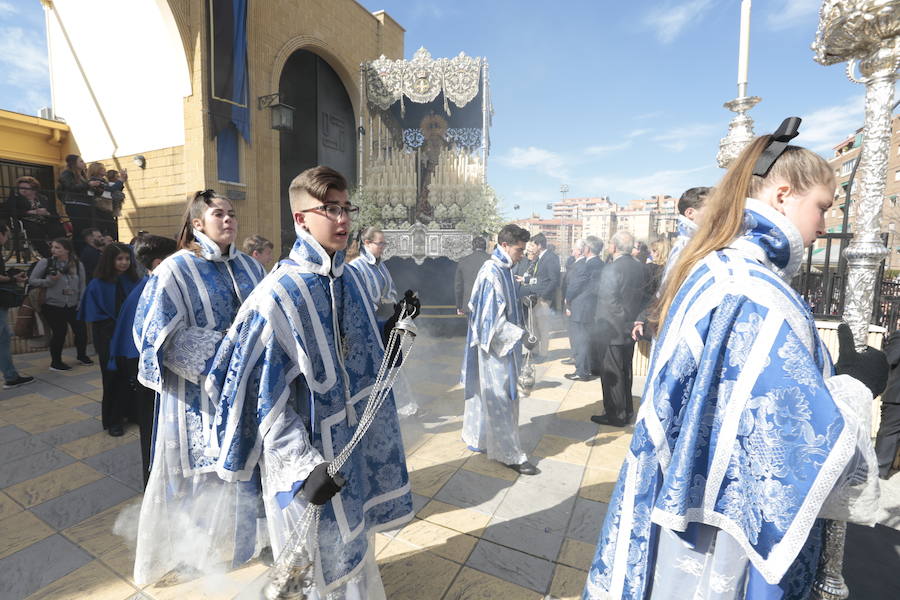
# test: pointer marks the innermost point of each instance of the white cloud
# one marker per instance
(23, 64)
(668, 22)
(603, 149)
(647, 116)
(679, 138)
(793, 12)
(668, 181)
(544, 161)
(638, 132)
(7, 9)
(822, 129)
(24, 56)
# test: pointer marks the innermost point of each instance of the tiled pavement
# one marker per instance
(480, 530)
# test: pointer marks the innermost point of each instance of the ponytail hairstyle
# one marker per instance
(723, 212)
(197, 203)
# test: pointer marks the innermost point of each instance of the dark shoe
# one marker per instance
(526, 468)
(20, 380)
(568, 361)
(59, 366)
(116, 430)
(604, 420)
(577, 377)
(85, 360)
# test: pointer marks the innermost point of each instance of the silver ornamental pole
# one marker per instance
(865, 33)
(740, 130)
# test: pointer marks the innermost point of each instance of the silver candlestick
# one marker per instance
(864, 33)
(740, 130)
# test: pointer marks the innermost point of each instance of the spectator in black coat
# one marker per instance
(581, 299)
(888, 439)
(73, 189)
(543, 282)
(93, 243)
(620, 297)
(573, 267)
(466, 270)
(37, 213)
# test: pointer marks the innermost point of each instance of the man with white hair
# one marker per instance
(620, 298)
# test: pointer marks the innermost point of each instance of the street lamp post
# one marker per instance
(866, 34)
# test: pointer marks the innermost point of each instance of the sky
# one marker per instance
(611, 98)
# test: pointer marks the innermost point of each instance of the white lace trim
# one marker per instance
(720, 583)
(189, 349)
(689, 565)
(855, 497)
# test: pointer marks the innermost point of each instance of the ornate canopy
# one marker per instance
(423, 78)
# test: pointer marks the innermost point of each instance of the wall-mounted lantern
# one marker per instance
(282, 114)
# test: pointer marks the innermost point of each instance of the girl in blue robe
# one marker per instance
(745, 438)
(188, 303)
(112, 282)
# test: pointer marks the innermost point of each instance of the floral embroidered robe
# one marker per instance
(745, 439)
(292, 378)
(186, 305)
(375, 278)
(492, 362)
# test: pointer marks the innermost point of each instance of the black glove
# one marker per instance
(869, 366)
(320, 487)
(529, 341)
(530, 300)
(412, 302)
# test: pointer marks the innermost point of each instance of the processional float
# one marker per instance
(425, 153)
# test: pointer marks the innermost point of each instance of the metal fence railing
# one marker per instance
(34, 220)
(822, 283)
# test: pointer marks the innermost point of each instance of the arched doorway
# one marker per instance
(324, 127)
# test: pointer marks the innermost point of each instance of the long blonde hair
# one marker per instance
(723, 212)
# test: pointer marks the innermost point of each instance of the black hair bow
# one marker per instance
(788, 130)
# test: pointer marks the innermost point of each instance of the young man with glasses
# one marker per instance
(291, 379)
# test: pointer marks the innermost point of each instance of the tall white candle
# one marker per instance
(744, 53)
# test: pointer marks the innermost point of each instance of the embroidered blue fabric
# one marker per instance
(493, 286)
(737, 428)
(290, 359)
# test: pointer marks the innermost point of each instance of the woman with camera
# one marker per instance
(63, 277)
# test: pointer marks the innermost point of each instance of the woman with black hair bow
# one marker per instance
(747, 436)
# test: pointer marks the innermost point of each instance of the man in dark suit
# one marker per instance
(619, 299)
(573, 269)
(582, 301)
(543, 281)
(466, 271)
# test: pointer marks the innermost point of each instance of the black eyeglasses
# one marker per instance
(336, 211)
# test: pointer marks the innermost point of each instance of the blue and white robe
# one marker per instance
(376, 279)
(186, 305)
(379, 285)
(686, 230)
(744, 440)
(492, 362)
(292, 377)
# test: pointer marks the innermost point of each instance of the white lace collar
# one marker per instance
(311, 257)
(210, 250)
